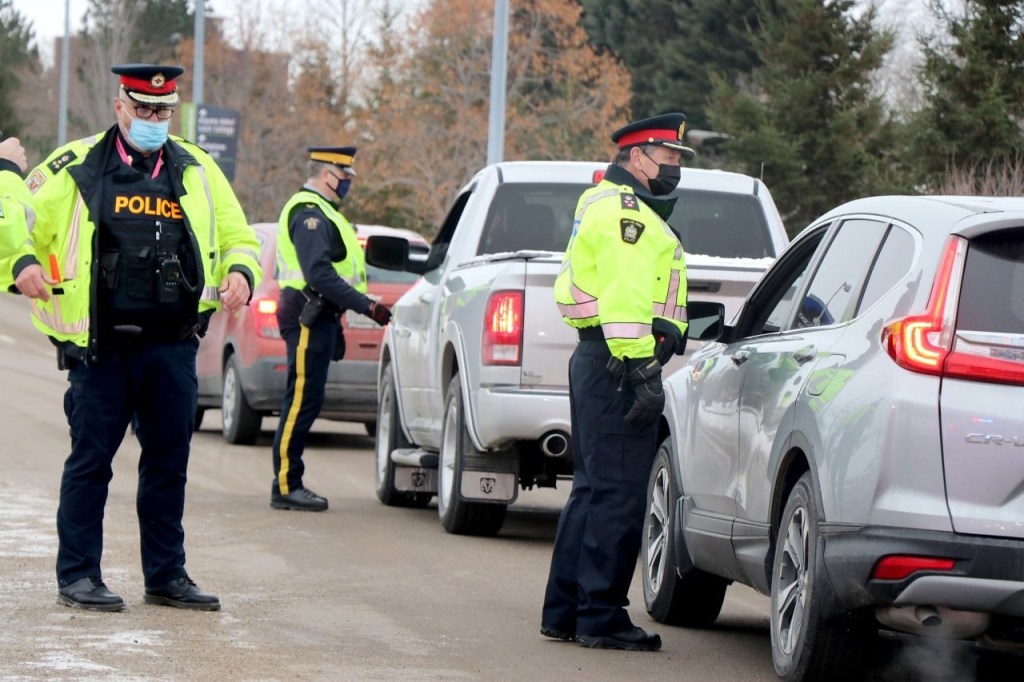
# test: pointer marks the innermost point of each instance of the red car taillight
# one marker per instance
(503, 329)
(921, 342)
(264, 318)
(926, 343)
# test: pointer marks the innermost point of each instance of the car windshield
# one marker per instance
(539, 216)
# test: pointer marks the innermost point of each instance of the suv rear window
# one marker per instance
(992, 295)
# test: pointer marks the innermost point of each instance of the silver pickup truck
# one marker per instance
(473, 392)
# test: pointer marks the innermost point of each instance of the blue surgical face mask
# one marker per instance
(147, 135)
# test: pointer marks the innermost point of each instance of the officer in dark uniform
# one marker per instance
(322, 274)
(623, 287)
(142, 239)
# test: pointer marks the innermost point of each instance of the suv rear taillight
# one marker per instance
(503, 329)
(921, 342)
(264, 318)
(927, 343)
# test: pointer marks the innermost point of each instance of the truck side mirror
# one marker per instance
(389, 253)
(706, 320)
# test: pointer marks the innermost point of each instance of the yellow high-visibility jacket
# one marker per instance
(67, 198)
(623, 267)
(15, 209)
(352, 269)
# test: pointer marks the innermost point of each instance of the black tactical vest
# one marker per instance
(148, 283)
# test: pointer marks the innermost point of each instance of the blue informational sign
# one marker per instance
(217, 132)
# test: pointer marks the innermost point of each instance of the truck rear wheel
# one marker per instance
(457, 515)
(389, 438)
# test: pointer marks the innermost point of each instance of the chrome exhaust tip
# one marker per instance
(554, 444)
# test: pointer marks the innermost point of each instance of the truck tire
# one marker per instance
(389, 438)
(691, 600)
(457, 515)
(240, 423)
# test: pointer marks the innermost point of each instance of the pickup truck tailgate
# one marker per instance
(547, 340)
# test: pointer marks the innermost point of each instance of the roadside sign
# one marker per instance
(215, 129)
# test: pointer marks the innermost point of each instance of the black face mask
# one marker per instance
(666, 180)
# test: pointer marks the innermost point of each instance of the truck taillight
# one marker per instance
(927, 342)
(503, 329)
(264, 318)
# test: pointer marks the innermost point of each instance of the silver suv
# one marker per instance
(853, 443)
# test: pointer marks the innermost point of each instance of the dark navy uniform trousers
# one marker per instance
(599, 531)
(310, 350)
(153, 384)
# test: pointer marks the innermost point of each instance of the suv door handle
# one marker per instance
(802, 355)
(740, 356)
(402, 331)
(427, 297)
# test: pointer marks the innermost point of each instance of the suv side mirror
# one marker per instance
(706, 320)
(392, 253)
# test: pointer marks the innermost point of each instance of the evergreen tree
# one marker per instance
(635, 31)
(712, 36)
(20, 59)
(973, 80)
(807, 120)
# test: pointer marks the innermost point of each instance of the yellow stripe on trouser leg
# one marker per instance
(293, 411)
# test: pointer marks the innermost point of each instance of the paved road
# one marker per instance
(361, 592)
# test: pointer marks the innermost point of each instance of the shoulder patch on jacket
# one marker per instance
(631, 230)
(35, 180)
(629, 202)
(311, 223)
(61, 161)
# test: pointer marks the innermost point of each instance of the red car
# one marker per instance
(242, 362)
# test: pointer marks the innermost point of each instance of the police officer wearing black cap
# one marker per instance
(623, 287)
(137, 239)
(322, 274)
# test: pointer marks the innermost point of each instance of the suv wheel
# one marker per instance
(389, 438)
(457, 515)
(694, 599)
(241, 424)
(804, 645)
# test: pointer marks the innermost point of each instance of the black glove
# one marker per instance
(668, 340)
(645, 375)
(378, 313)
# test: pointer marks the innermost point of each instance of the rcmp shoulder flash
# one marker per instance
(35, 181)
(631, 230)
(61, 161)
(629, 201)
(311, 223)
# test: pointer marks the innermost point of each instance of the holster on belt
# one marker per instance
(315, 307)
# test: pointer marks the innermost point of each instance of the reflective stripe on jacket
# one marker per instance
(623, 266)
(66, 195)
(352, 269)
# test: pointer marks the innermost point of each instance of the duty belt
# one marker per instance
(591, 333)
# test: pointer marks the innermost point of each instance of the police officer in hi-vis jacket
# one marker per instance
(136, 239)
(623, 287)
(322, 274)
